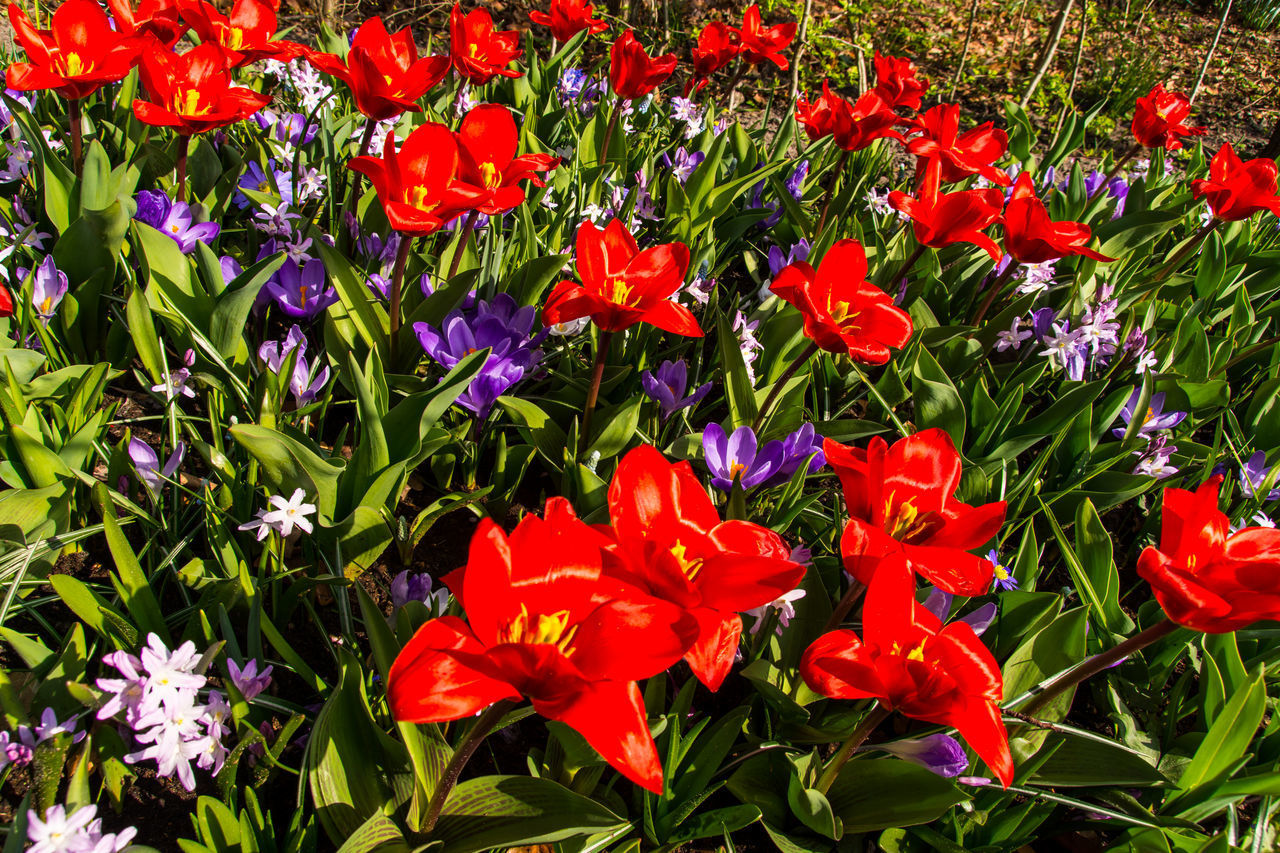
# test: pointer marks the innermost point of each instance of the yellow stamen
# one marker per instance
(191, 104)
(490, 175)
(418, 198)
(617, 291)
(552, 629)
(73, 65)
(235, 38)
(690, 567)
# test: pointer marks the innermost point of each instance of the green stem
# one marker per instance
(1096, 664)
(996, 287)
(1187, 249)
(892, 284)
(781, 382)
(851, 597)
(849, 747)
(397, 283)
(597, 374)
(468, 226)
(1115, 170)
(77, 143)
(184, 144)
(608, 134)
(831, 193)
(487, 720)
(348, 191)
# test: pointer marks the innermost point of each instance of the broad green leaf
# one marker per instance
(870, 795)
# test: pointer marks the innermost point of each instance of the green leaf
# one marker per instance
(231, 312)
(871, 795)
(288, 464)
(937, 402)
(737, 385)
(91, 608)
(620, 425)
(136, 593)
(542, 432)
(510, 811)
(1078, 761)
(1228, 738)
(378, 833)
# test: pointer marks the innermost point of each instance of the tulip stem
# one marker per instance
(781, 383)
(906, 267)
(831, 193)
(738, 73)
(837, 762)
(1096, 664)
(77, 144)
(348, 192)
(994, 291)
(1187, 249)
(397, 282)
(1115, 170)
(851, 597)
(184, 146)
(483, 725)
(468, 226)
(608, 133)
(597, 374)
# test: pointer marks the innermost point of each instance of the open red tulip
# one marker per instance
(384, 72)
(544, 622)
(939, 219)
(896, 82)
(842, 311)
(192, 92)
(900, 499)
(632, 72)
(672, 543)
(1206, 577)
(567, 18)
(854, 126)
(487, 143)
(960, 154)
(717, 45)
(1159, 119)
(247, 34)
(478, 51)
(761, 43)
(621, 285)
(76, 56)
(913, 664)
(159, 18)
(1237, 190)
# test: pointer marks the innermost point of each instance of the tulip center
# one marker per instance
(235, 38)
(617, 291)
(843, 315)
(190, 105)
(473, 50)
(543, 629)
(418, 198)
(906, 523)
(491, 175)
(73, 65)
(916, 653)
(690, 567)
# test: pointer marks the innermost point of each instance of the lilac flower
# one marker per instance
(1013, 337)
(1136, 346)
(747, 342)
(785, 607)
(279, 183)
(47, 289)
(1035, 278)
(147, 464)
(465, 102)
(123, 694)
(667, 387)
(14, 751)
(503, 328)
(406, 587)
(1153, 420)
(174, 736)
(78, 832)
(175, 385)
(701, 288)
(1004, 579)
(49, 727)
(1253, 477)
(21, 229)
(1064, 351)
(569, 328)
(249, 681)
(284, 515)
(684, 164)
(735, 458)
(275, 220)
(169, 674)
(877, 201)
(275, 353)
(938, 753)
(174, 219)
(570, 86)
(301, 292)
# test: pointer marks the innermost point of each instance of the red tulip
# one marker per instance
(154, 17)
(1237, 190)
(384, 72)
(940, 219)
(672, 544)
(854, 126)
(1206, 577)
(760, 43)
(900, 500)
(192, 93)
(717, 45)
(912, 664)
(76, 56)
(247, 34)
(632, 73)
(842, 311)
(544, 622)
(1158, 119)
(478, 51)
(418, 185)
(896, 82)
(487, 144)
(1031, 237)
(567, 18)
(6, 302)
(621, 285)
(960, 154)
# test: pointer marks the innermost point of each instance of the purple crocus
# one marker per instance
(249, 681)
(279, 182)
(47, 288)
(307, 378)
(735, 458)
(667, 387)
(1253, 477)
(502, 327)
(800, 447)
(290, 127)
(406, 587)
(683, 164)
(175, 220)
(938, 753)
(147, 464)
(301, 292)
(1153, 420)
